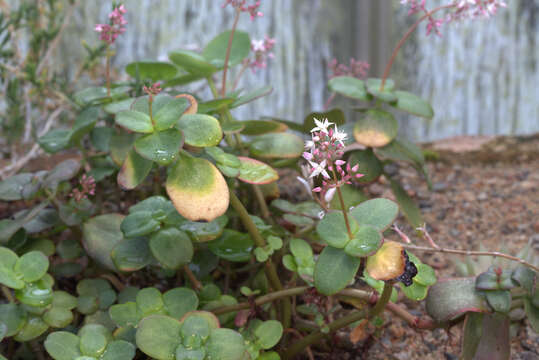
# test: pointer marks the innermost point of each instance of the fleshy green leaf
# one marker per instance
(152, 70)
(379, 213)
(268, 334)
(84, 123)
(334, 270)
(32, 266)
(252, 96)
(63, 345)
(407, 205)
(158, 336)
(172, 248)
(169, 114)
(413, 104)
(365, 242)
(256, 172)
(225, 344)
(499, 300)
(260, 127)
(332, 229)
(139, 223)
(451, 298)
(349, 87)
(13, 187)
(161, 147)
(33, 328)
(8, 277)
(135, 121)
(368, 165)
(232, 245)
(276, 146)
(387, 94)
(180, 301)
(119, 350)
(192, 62)
(134, 170)
(13, 316)
(100, 235)
(200, 130)
(55, 140)
(216, 50)
(131, 254)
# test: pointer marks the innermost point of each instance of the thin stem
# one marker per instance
(7, 293)
(213, 88)
(150, 101)
(403, 40)
(329, 101)
(341, 201)
(261, 202)
(108, 73)
(192, 278)
(471, 253)
(114, 281)
(244, 67)
(276, 295)
(342, 322)
(269, 267)
(382, 301)
(227, 56)
(310, 339)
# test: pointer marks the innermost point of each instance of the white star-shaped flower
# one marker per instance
(319, 169)
(339, 136)
(321, 126)
(258, 45)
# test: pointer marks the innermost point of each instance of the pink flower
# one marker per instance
(240, 5)
(261, 50)
(459, 10)
(356, 68)
(87, 184)
(324, 157)
(155, 89)
(110, 32)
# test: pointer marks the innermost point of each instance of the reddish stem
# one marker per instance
(403, 40)
(329, 100)
(227, 57)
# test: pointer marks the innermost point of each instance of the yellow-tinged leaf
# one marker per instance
(193, 107)
(376, 128)
(197, 189)
(134, 170)
(388, 262)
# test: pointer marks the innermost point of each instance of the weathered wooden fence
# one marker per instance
(482, 76)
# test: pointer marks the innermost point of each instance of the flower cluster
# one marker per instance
(241, 6)
(469, 9)
(153, 90)
(262, 52)
(357, 68)
(324, 153)
(110, 32)
(459, 10)
(87, 184)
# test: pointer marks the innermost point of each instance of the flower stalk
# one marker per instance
(269, 267)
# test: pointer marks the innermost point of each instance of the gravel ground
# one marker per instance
(485, 194)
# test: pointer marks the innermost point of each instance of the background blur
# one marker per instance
(481, 76)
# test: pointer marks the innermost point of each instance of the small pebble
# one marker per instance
(440, 186)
